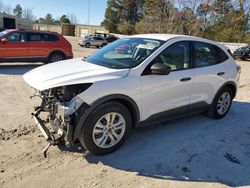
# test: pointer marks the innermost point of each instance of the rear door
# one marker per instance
(100, 41)
(37, 46)
(15, 48)
(95, 41)
(209, 71)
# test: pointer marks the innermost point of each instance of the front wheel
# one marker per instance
(221, 104)
(106, 128)
(87, 45)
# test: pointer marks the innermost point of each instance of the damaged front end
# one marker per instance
(56, 116)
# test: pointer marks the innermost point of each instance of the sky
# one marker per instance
(60, 7)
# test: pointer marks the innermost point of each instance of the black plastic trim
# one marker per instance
(176, 113)
(225, 84)
(29, 59)
(85, 111)
(25, 59)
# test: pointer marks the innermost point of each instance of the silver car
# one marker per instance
(93, 41)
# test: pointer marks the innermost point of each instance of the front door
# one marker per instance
(162, 93)
(15, 48)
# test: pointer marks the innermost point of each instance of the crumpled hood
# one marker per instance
(69, 72)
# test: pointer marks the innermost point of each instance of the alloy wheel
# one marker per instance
(109, 130)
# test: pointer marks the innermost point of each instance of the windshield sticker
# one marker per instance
(148, 46)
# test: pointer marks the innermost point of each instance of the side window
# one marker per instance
(51, 37)
(48, 37)
(208, 54)
(220, 55)
(176, 56)
(16, 37)
(34, 37)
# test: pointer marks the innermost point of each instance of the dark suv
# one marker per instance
(242, 53)
(33, 46)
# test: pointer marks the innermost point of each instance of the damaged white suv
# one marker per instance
(134, 81)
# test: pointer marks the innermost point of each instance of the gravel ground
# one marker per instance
(190, 152)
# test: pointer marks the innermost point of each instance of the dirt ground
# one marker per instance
(191, 152)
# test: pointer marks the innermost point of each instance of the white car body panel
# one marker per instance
(206, 83)
(128, 86)
(74, 71)
(160, 93)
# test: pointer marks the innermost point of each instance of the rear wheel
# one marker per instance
(103, 45)
(221, 104)
(106, 128)
(56, 56)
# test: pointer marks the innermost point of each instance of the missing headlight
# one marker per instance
(66, 93)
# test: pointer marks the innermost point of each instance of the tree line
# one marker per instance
(27, 13)
(220, 20)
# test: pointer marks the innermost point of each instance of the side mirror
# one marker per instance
(160, 69)
(4, 40)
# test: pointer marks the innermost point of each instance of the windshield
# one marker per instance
(125, 53)
(3, 33)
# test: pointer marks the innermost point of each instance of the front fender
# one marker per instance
(85, 110)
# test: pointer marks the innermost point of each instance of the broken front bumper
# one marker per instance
(60, 125)
(50, 136)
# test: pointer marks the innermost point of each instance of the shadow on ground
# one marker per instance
(17, 69)
(190, 149)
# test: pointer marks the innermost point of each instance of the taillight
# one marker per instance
(238, 68)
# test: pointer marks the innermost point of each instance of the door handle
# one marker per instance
(185, 79)
(220, 73)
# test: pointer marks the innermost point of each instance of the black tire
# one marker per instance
(56, 56)
(214, 110)
(87, 45)
(103, 45)
(86, 136)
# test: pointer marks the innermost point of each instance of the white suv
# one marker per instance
(134, 81)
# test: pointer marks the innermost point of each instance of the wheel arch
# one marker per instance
(56, 51)
(231, 85)
(127, 101)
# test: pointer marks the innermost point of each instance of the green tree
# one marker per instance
(122, 15)
(156, 16)
(48, 19)
(64, 19)
(18, 11)
(112, 15)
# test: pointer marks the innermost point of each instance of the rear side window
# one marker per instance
(51, 37)
(98, 38)
(208, 54)
(41, 37)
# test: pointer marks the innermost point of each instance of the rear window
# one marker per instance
(41, 37)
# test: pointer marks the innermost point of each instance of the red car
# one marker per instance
(18, 45)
